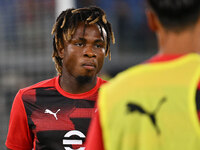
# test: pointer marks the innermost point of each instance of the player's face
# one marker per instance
(84, 53)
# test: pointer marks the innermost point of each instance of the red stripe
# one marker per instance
(198, 114)
(198, 86)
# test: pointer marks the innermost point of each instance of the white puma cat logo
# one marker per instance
(47, 111)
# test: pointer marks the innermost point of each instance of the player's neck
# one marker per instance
(74, 86)
(179, 43)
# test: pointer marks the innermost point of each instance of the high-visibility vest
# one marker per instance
(152, 107)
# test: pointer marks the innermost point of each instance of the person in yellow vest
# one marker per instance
(155, 105)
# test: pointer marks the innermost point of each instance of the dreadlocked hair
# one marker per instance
(67, 23)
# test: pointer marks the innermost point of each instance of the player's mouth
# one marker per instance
(89, 66)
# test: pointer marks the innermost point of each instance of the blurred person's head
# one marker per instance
(176, 24)
(74, 31)
(176, 15)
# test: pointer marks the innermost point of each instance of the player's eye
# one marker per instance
(99, 45)
(79, 44)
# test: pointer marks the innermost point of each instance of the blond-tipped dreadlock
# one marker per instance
(67, 23)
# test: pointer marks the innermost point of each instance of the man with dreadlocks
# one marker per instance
(55, 113)
(156, 105)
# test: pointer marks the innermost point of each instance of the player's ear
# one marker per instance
(152, 20)
(61, 52)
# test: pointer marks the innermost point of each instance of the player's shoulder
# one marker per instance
(123, 79)
(126, 73)
(41, 84)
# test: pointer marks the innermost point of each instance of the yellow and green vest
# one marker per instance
(152, 107)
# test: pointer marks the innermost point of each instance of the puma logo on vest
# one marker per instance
(47, 111)
(132, 107)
